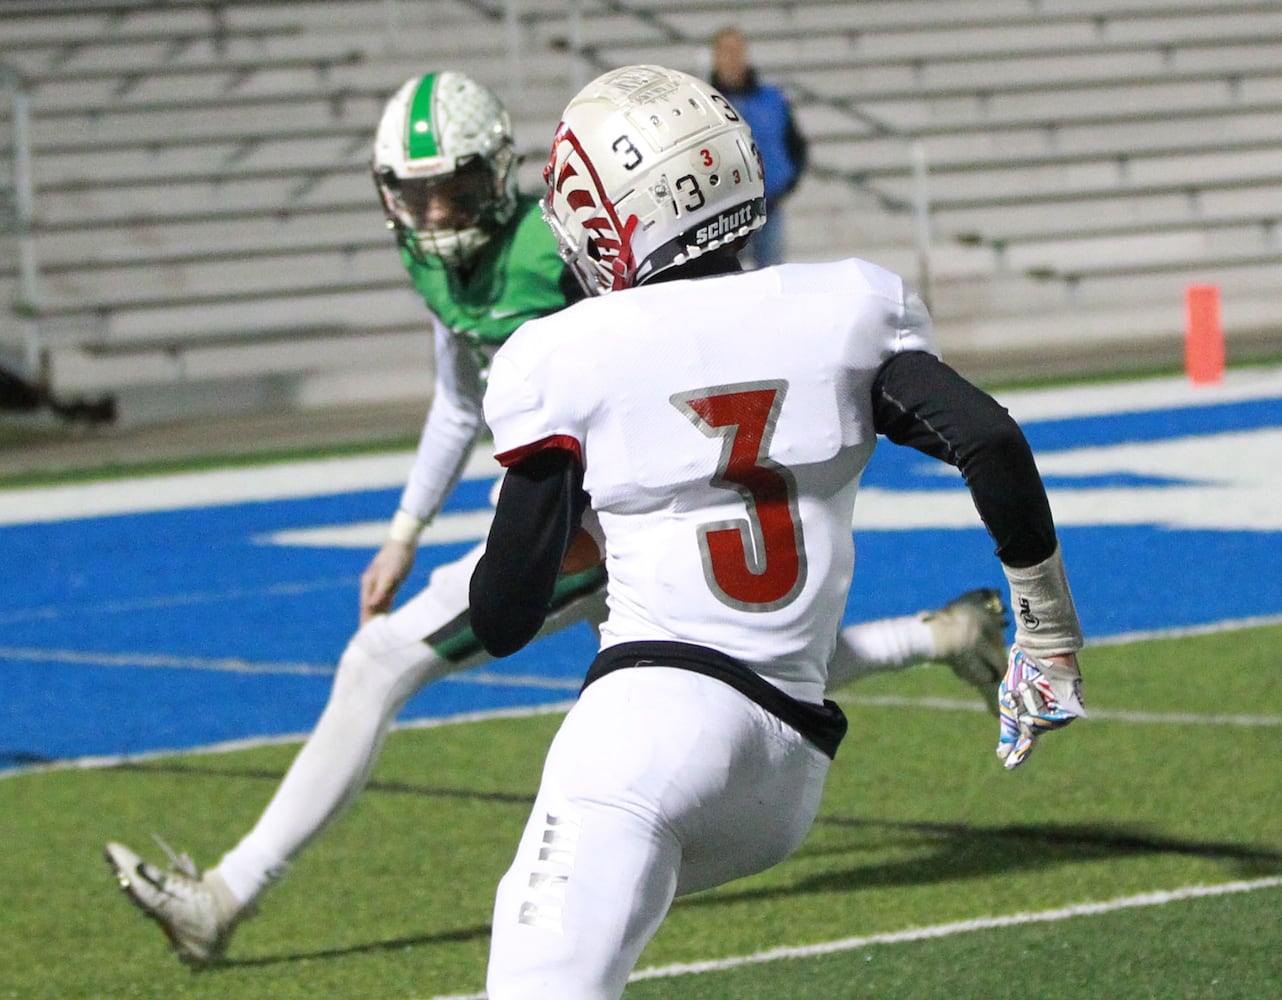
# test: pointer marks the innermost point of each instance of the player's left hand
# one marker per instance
(1035, 697)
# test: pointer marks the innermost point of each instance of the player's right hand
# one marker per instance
(383, 577)
(1035, 697)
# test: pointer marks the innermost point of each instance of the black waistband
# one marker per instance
(823, 725)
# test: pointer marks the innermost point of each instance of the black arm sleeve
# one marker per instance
(539, 505)
(920, 402)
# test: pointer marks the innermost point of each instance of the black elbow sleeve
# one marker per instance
(500, 629)
(512, 585)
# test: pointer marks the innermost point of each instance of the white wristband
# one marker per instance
(406, 527)
(1046, 621)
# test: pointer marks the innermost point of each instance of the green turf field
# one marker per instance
(921, 828)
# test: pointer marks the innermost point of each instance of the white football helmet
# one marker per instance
(444, 166)
(650, 168)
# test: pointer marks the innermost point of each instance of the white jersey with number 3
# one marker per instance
(723, 424)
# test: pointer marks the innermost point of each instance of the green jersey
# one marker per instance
(516, 277)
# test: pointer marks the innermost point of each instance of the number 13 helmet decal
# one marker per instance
(650, 168)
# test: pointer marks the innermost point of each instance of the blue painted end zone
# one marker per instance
(105, 711)
(153, 631)
(1134, 580)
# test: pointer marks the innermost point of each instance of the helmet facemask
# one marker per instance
(444, 166)
(451, 215)
(597, 250)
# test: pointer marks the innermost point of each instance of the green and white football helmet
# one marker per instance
(444, 165)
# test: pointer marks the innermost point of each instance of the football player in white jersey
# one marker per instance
(715, 423)
(484, 261)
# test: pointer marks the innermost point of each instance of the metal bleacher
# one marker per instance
(1086, 160)
(206, 235)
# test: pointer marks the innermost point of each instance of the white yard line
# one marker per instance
(569, 686)
(1096, 714)
(1184, 632)
(236, 665)
(1239, 386)
(176, 600)
(490, 678)
(228, 746)
(217, 487)
(231, 664)
(1087, 909)
(161, 661)
(881, 701)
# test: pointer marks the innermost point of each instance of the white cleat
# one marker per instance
(197, 913)
(969, 634)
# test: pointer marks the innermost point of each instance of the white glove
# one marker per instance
(1035, 697)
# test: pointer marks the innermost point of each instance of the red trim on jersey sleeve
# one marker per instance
(565, 442)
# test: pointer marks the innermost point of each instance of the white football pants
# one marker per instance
(386, 662)
(660, 782)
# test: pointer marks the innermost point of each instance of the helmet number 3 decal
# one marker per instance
(627, 148)
(726, 108)
(755, 563)
(688, 185)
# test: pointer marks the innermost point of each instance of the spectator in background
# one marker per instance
(769, 115)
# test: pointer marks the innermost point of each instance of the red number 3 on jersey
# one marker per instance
(755, 563)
